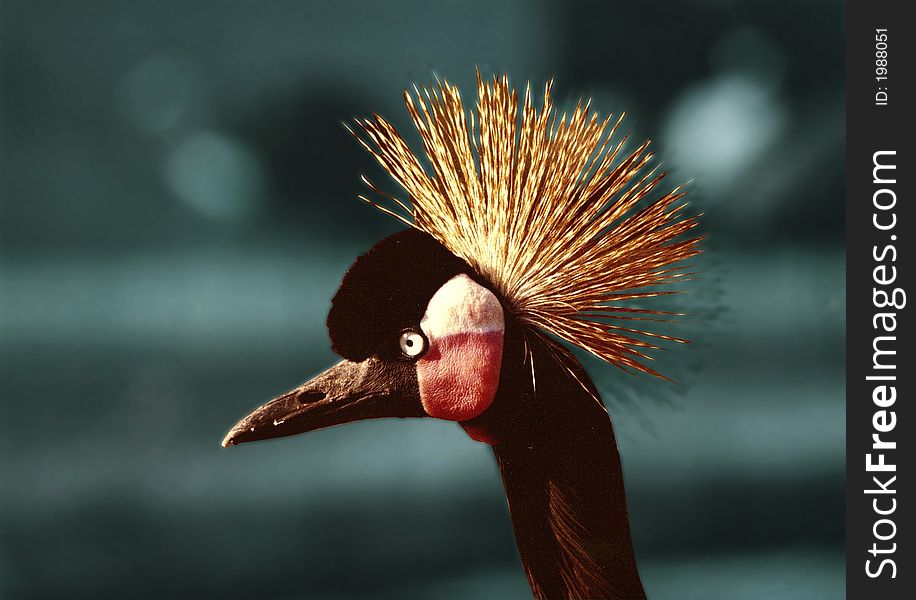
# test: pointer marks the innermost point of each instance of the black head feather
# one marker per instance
(386, 290)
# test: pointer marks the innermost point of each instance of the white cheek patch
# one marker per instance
(459, 374)
(462, 305)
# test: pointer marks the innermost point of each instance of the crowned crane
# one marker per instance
(528, 233)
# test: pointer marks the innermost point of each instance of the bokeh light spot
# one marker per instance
(715, 130)
(156, 94)
(217, 175)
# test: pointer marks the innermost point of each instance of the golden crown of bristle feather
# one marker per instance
(543, 210)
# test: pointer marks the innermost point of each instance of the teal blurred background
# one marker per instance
(177, 206)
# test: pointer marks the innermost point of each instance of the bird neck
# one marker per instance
(557, 454)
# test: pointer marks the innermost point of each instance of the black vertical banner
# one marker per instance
(880, 449)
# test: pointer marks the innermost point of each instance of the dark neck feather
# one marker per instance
(561, 470)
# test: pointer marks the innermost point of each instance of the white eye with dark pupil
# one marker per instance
(412, 343)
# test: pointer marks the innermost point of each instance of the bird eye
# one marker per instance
(413, 343)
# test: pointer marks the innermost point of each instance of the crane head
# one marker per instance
(526, 222)
(420, 334)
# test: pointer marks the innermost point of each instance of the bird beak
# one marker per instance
(348, 391)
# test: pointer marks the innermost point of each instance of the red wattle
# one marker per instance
(459, 374)
(479, 434)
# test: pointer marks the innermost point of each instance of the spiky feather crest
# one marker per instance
(543, 210)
